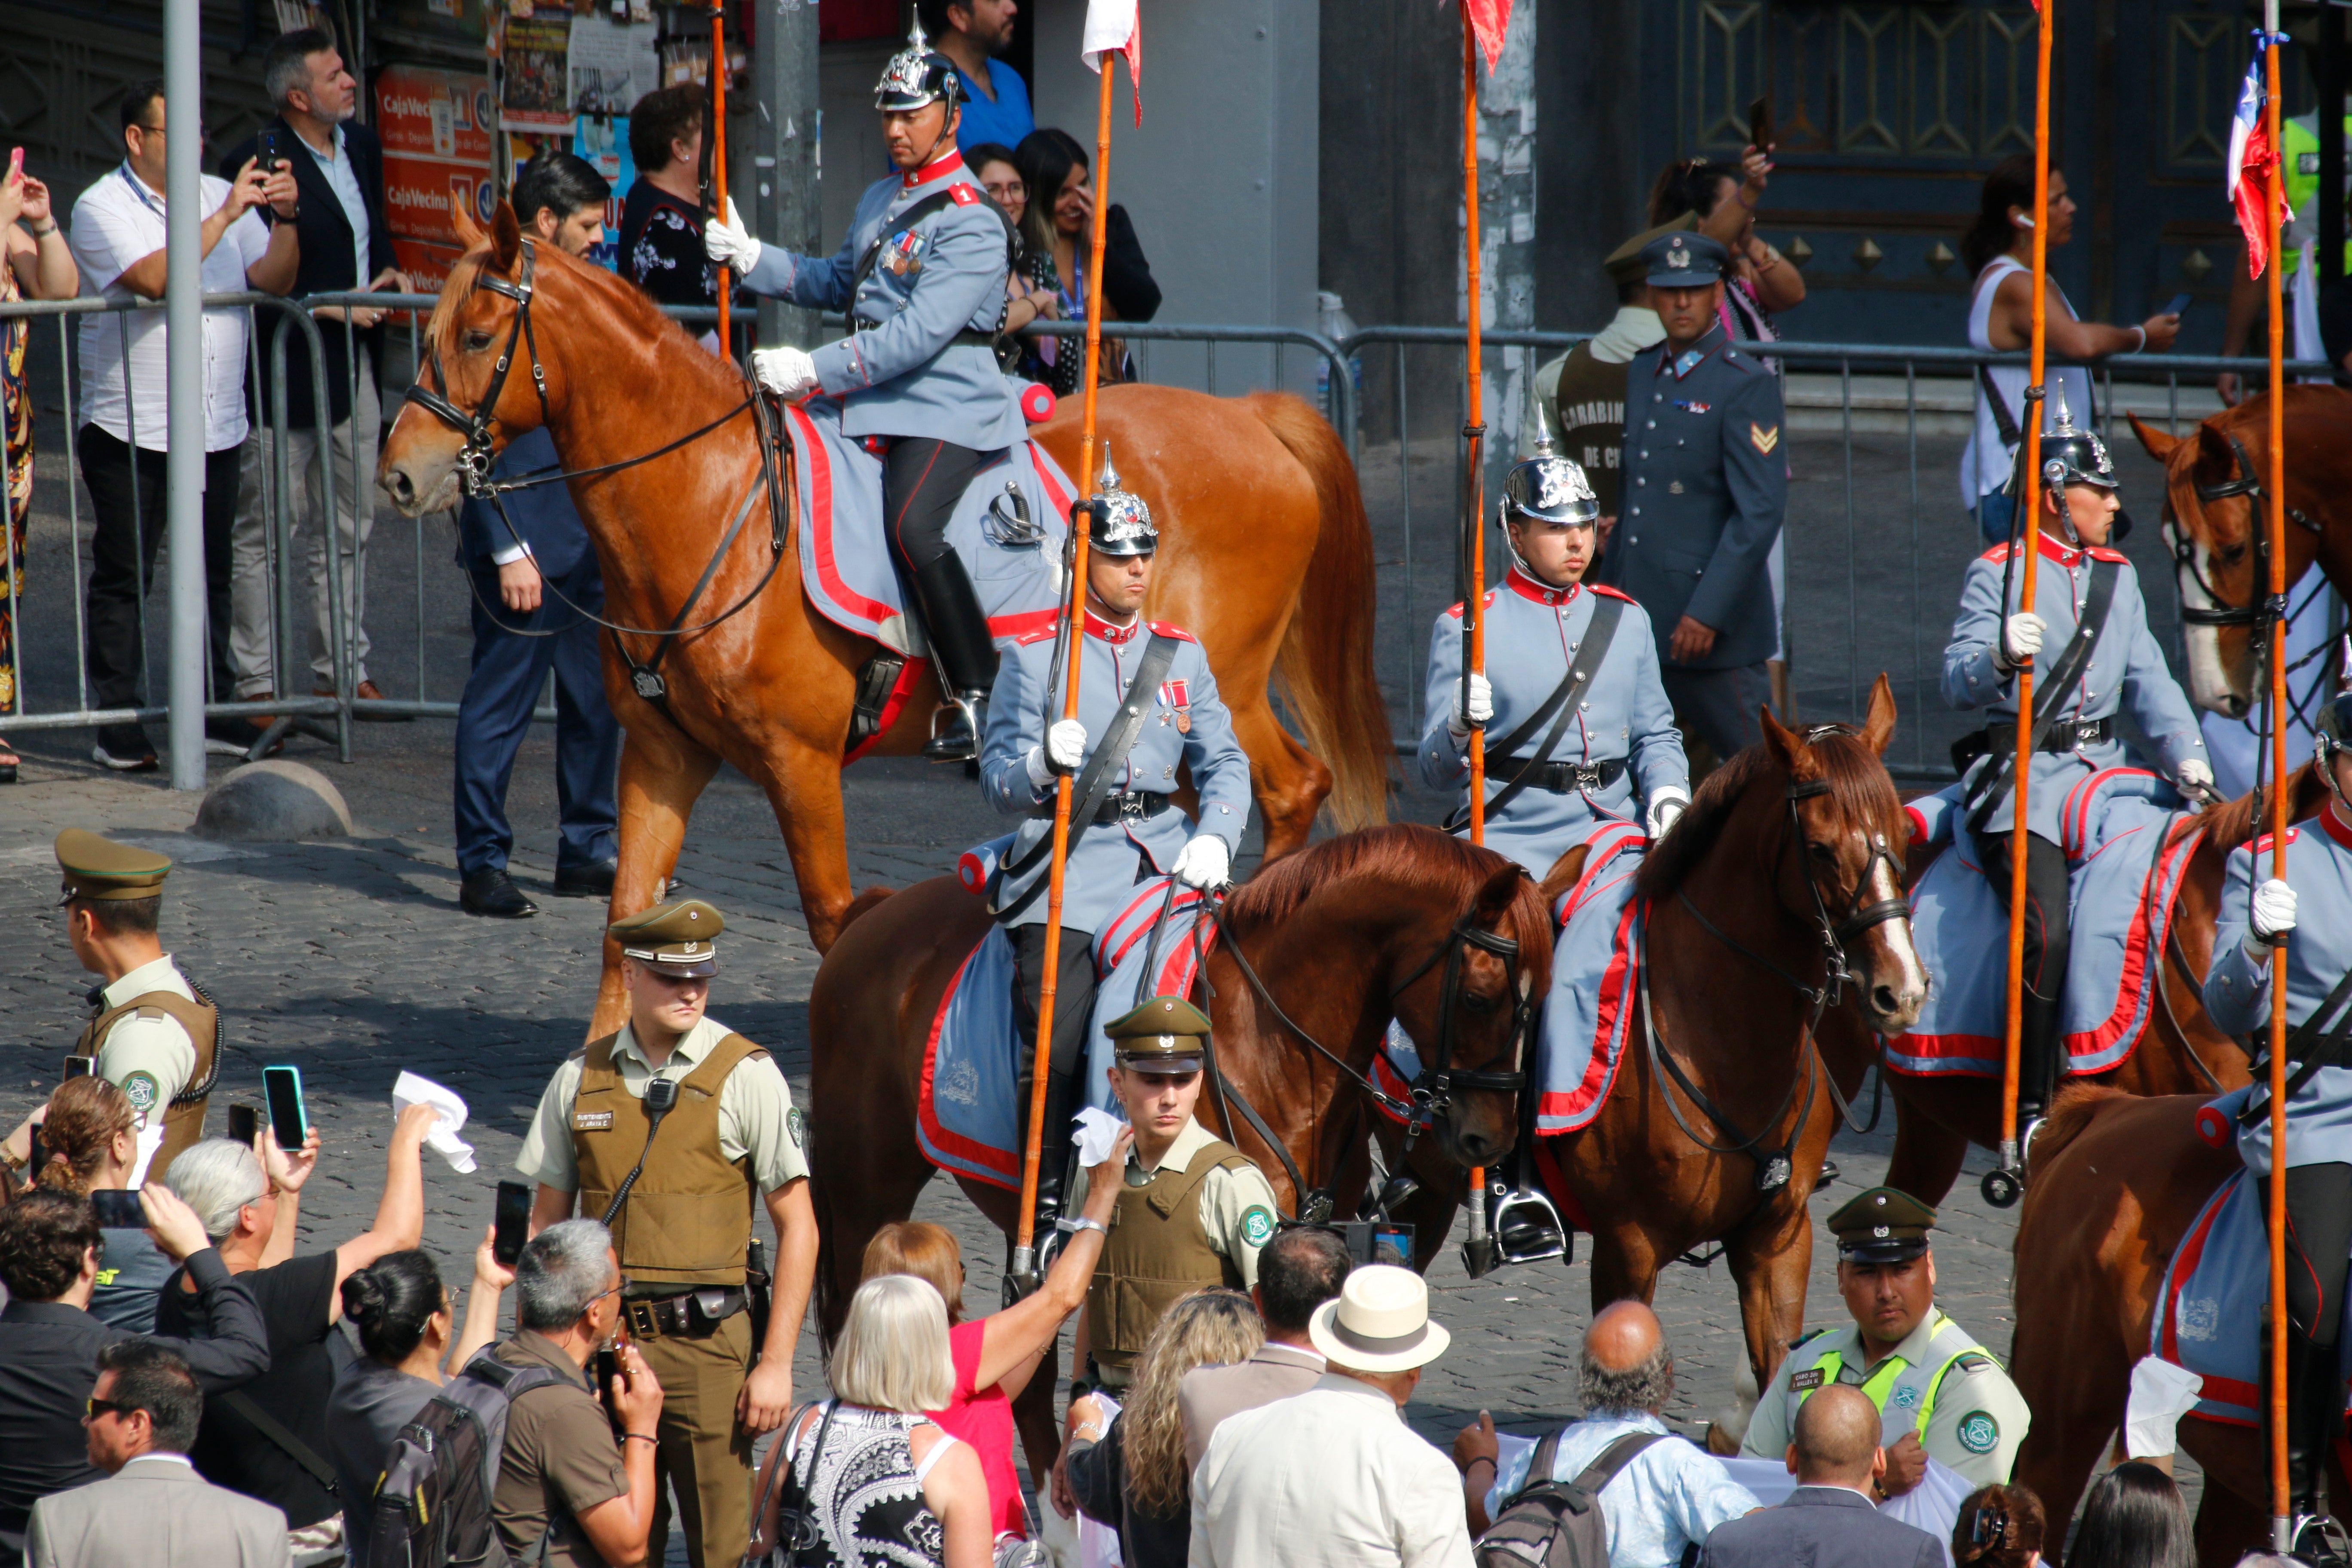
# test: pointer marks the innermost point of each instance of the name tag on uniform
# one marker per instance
(591, 1121)
(1806, 1380)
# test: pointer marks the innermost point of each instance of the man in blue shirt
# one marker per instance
(973, 33)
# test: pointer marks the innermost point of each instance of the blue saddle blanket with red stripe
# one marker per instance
(1595, 982)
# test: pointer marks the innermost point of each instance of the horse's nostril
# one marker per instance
(1884, 1000)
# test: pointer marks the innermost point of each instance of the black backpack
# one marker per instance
(432, 1506)
(1557, 1524)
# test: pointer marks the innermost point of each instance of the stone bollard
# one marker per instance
(273, 801)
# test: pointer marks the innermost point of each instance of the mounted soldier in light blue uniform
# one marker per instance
(1572, 703)
(2078, 691)
(920, 280)
(1147, 706)
(2304, 930)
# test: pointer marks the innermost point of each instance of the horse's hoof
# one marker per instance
(2001, 1189)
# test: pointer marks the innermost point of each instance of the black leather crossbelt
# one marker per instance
(1560, 777)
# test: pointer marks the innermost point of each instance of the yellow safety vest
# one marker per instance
(2301, 137)
(1904, 1391)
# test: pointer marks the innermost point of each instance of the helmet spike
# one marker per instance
(1110, 474)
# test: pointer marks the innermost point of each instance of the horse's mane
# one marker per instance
(1407, 854)
(2237, 821)
(1857, 781)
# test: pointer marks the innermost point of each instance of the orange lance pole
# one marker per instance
(718, 152)
(2028, 579)
(1024, 1241)
(1474, 521)
(2274, 198)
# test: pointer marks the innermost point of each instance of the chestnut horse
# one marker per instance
(1342, 933)
(2179, 1051)
(2219, 544)
(1265, 556)
(1791, 845)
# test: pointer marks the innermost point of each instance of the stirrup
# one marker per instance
(1526, 1225)
(2318, 1540)
(943, 748)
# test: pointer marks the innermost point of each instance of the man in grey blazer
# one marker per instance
(1830, 1521)
(1299, 1269)
(152, 1509)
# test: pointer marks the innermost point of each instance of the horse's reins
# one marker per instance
(2266, 609)
(475, 457)
(1773, 1169)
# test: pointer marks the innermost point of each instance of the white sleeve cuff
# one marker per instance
(508, 554)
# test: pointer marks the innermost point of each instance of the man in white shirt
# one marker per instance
(117, 242)
(1333, 1477)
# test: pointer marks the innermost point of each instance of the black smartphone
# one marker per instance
(511, 1227)
(244, 1124)
(117, 1210)
(269, 159)
(1392, 1244)
(2179, 303)
(282, 1088)
(80, 1066)
(1760, 123)
(608, 1367)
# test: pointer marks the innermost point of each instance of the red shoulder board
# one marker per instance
(2102, 552)
(1612, 593)
(963, 195)
(1455, 611)
(1488, 602)
(2262, 846)
(1042, 634)
(1169, 629)
(1997, 555)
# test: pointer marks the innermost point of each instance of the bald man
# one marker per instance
(1830, 1521)
(1667, 1496)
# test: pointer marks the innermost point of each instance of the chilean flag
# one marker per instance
(2251, 159)
(1114, 28)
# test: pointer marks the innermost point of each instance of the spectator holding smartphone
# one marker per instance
(269, 1439)
(49, 1246)
(89, 1141)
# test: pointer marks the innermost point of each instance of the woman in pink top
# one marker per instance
(995, 1355)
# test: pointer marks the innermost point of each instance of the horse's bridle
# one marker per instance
(2266, 609)
(474, 458)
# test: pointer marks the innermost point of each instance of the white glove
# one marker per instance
(726, 241)
(1482, 705)
(788, 373)
(2274, 915)
(1665, 805)
(1066, 743)
(1204, 862)
(2021, 637)
(2196, 779)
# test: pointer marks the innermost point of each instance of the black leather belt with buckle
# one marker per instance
(1126, 805)
(1560, 778)
(695, 1314)
(2063, 735)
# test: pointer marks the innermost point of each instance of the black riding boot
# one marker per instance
(962, 651)
(2039, 1046)
(2312, 1409)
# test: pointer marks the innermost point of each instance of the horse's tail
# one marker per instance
(1325, 664)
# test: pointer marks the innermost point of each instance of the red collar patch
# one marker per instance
(2335, 823)
(1539, 592)
(936, 169)
(1098, 628)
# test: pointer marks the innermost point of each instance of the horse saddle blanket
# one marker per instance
(968, 1109)
(2126, 866)
(2209, 1315)
(1014, 561)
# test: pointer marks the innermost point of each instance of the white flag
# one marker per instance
(1113, 26)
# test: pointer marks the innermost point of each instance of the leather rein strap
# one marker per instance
(2265, 610)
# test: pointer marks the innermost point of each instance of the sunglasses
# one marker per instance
(92, 1408)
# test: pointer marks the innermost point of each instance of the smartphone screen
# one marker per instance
(15, 162)
(1759, 124)
(282, 1088)
(244, 1124)
(1393, 1244)
(80, 1066)
(2180, 304)
(512, 1226)
(117, 1210)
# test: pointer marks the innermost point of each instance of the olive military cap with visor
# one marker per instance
(1162, 1035)
(674, 939)
(96, 868)
(1883, 1225)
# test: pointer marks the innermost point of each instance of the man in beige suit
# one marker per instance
(152, 1509)
(1299, 1269)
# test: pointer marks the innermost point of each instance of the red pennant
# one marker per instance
(1489, 21)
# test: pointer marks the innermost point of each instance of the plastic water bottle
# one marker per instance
(1331, 320)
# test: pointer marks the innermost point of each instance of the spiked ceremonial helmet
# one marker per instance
(917, 74)
(1123, 523)
(1548, 488)
(2333, 734)
(2072, 455)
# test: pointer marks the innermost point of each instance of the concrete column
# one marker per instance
(183, 99)
(1506, 230)
(786, 167)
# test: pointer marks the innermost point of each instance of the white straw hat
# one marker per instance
(1380, 1323)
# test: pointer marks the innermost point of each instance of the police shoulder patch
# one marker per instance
(142, 1091)
(797, 1125)
(1258, 1225)
(1980, 1433)
(1975, 1360)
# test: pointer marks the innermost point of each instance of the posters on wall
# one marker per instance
(534, 93)
(436, 127)
(610, 64)
(605, 145)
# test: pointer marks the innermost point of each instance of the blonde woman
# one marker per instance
(1133, 1476)
(870, 1481)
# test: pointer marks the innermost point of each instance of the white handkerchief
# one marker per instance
(150, 1137)
(1098, 1130)
(411, 1089)
(2161, 1393)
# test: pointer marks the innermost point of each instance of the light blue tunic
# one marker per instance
(1188, 724)
(2238, 993)
(1533, 631)
(2127, 673)
(906, 374)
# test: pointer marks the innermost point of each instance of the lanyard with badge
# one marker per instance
(139, 189)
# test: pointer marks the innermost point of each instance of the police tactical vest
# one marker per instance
(688, 1219)
(1589, 404)
(1156, 1255)
(2300, 134)
(1904, 1393)
(184, 1118)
